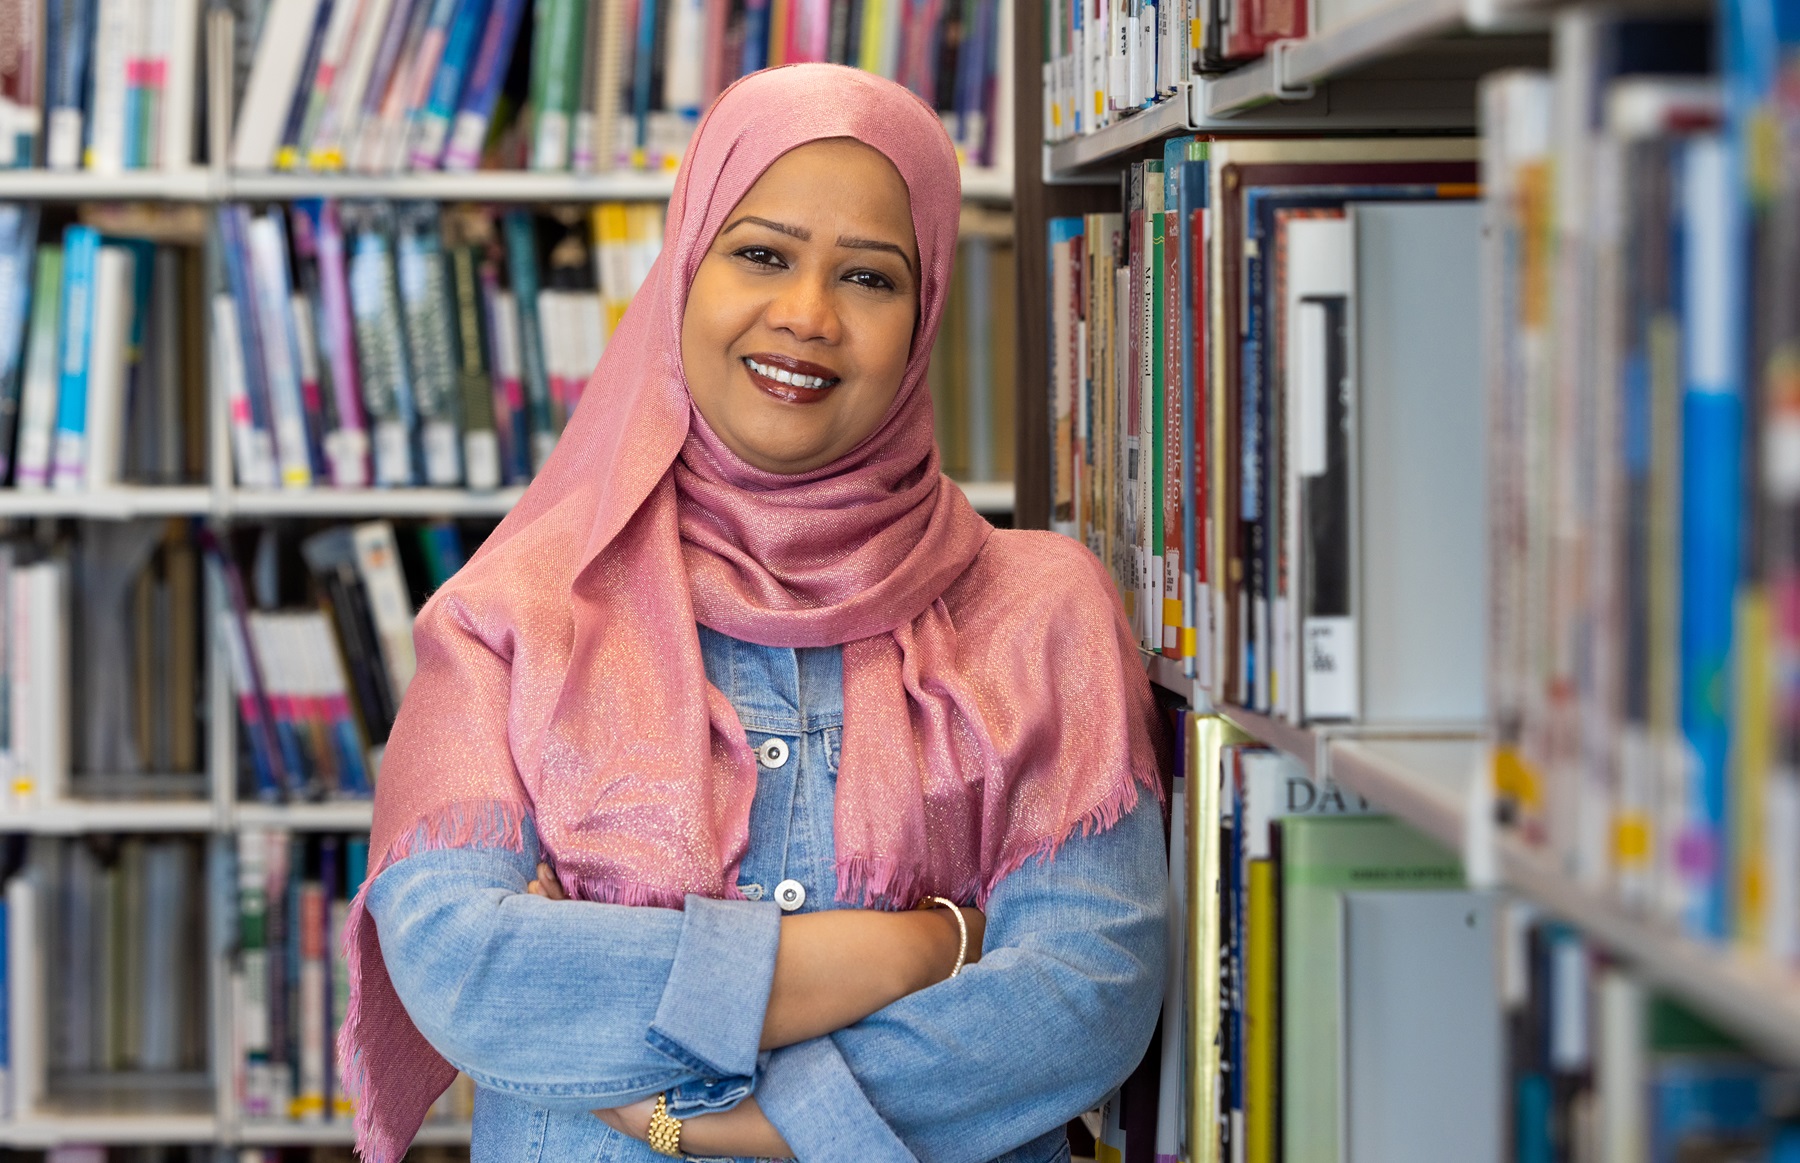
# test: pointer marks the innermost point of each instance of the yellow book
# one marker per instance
(1261, 1016)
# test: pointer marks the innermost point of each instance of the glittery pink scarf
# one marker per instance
(993, 701)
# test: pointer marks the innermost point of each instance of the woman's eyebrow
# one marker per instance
(876, 244)
(800, 232)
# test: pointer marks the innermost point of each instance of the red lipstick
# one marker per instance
(790, 380)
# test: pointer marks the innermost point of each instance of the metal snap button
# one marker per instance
(790, 895)
(772, 754)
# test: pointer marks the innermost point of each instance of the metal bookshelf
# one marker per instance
(1433, 777)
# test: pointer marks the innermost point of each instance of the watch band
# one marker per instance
(664, 1135)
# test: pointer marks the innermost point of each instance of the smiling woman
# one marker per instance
(739, 685)
(800, 319)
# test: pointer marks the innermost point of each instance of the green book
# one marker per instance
(1322, 857)
(556, 45)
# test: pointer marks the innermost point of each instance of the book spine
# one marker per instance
(583, 134)
(378, 565)
(109, 354)
(271, 286)
(432, 132)
(70, 34)
(379, 148)
(287, 34)
(426, 311)
(486, 75)
(555, 78)
(381, 348)
(511, 425)
(1712, 442)
(288, 153)
(522, 261)
(347, 445)
(253, 972)
(319, 83)
(325, 143)
(362, 123)
(18, 247)
(80, 244)
(113, 38)
(481, 446)
(313, 984)
(253, 449)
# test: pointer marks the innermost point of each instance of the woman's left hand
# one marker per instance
(546, 884)
(633, 1120)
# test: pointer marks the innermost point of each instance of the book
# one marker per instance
(18, 250)
(280, 54)
(1322, 857)
(69, 448)
(69, 35)
(38, 403)
(22, 89)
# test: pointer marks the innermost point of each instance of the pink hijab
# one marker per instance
(993, 699)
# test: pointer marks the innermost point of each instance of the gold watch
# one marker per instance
(665, 1132)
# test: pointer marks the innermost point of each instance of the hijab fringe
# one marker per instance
(883, 882)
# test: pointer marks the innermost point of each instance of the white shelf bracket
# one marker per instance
(1284, 89)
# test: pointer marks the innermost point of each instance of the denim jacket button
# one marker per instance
(772, 754)
(790, 895)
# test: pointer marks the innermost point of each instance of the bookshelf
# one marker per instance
(1441, 69)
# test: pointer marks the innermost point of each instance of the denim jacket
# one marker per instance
(555, 1008)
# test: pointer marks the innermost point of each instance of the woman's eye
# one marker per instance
(762, 256)
(874, 280)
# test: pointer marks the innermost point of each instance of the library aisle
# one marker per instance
(1425, 374)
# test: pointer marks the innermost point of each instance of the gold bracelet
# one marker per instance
(664, 1135)
(962, 927)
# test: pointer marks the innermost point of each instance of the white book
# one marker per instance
(390, 606)
(344, 104)
(252, 448)
(1421, 1044)
(49, 647)
(286, 35)
(682, 81)
(1421, 584)
(109, 366)
(21, 774)
(181, 77)
(26, 1004)
(116, 29)
(1320, 657)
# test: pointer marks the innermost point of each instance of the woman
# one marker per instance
(744, 676)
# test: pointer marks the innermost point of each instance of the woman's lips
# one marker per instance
(793, 381)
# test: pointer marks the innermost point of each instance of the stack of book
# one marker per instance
(317, 688)
(1285, 481)
(1105, 59)
(372, 343)
(290, 980)
(378, 86)
(108, 85)
(117, 922)
(100, 377)
(1641, 388)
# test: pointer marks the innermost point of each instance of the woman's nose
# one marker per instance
(807, 310)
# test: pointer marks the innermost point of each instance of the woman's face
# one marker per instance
(800, 319)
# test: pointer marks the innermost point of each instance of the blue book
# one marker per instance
(643, 66)
(69, 32)
(522, 268)
(234, 250)
(482, 89)
(756, 36)
(432, 130)
(1711, 257)
(356, 864)
(18, 252)
(81, 244)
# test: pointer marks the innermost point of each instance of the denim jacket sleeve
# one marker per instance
(674, 1001)
(1057, 1012)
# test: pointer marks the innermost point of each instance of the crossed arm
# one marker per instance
(832, 970)
(864, 1046)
